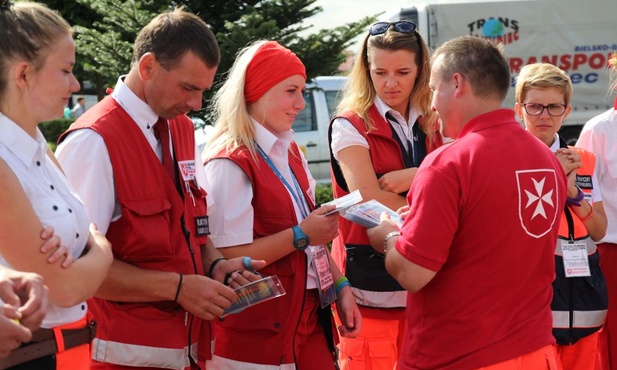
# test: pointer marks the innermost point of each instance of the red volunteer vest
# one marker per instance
(157, 231)
(265, 333)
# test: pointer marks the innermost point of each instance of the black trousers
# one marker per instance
(43, 363)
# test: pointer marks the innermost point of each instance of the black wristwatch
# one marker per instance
(301, 240)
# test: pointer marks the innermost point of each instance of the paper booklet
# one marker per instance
(366, 214)
(256, 292)
(345, 202)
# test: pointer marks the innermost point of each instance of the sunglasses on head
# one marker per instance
(399, 26)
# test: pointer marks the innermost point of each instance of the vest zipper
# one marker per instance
(187, 236)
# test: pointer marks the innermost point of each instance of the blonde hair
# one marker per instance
(359, 92)
(233, 127)
(29, 31)
(541, 76)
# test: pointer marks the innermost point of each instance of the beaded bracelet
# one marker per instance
(576, 201)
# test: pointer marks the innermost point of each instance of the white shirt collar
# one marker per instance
(136, 108)
(384, 108)
(23, 146)
(266, 140)
(555, 144)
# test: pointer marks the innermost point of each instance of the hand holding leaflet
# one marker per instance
(345, 202)
(369, 213)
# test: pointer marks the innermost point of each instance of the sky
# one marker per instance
(339, 12)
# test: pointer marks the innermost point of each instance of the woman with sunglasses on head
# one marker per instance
(580, 301)
(37, 55)
(383, 129)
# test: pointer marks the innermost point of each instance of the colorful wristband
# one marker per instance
(341, 286)
(340, 281)
(576, 201)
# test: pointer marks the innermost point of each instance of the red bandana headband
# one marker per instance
(271, 64)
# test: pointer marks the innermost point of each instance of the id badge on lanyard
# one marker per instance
(318, 255)
(575, 259)
(320, 260)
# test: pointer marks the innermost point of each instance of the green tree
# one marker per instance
(106, 30)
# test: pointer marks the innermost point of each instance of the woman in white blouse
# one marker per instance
(35, 84)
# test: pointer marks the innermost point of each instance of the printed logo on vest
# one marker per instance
(537, 199)
(187, 170)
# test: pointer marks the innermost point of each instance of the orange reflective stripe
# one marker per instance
(77, 358)
(59, 338)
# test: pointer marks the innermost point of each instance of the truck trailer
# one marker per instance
(576, 36)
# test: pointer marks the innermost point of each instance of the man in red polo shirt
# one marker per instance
(476, 249)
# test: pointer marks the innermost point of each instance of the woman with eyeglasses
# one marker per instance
(382, 131)
(579, 303)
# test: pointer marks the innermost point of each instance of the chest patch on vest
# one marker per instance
(202, 226)
(584, 182)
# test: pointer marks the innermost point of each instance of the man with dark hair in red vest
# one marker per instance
(132, 158)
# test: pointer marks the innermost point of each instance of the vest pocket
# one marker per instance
(147, 232)
(270, 319)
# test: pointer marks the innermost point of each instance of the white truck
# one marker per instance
(577, 36)
(311, 125)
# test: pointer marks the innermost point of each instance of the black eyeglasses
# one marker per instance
(535, 109)
(399, 26)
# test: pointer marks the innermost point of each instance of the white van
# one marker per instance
(311, 125)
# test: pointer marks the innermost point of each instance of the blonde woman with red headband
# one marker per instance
(264, 207)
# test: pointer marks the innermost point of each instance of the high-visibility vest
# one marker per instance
(579, 303)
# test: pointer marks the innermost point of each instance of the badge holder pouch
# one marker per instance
(320, 259)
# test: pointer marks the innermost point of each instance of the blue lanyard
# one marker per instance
(301, 202)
